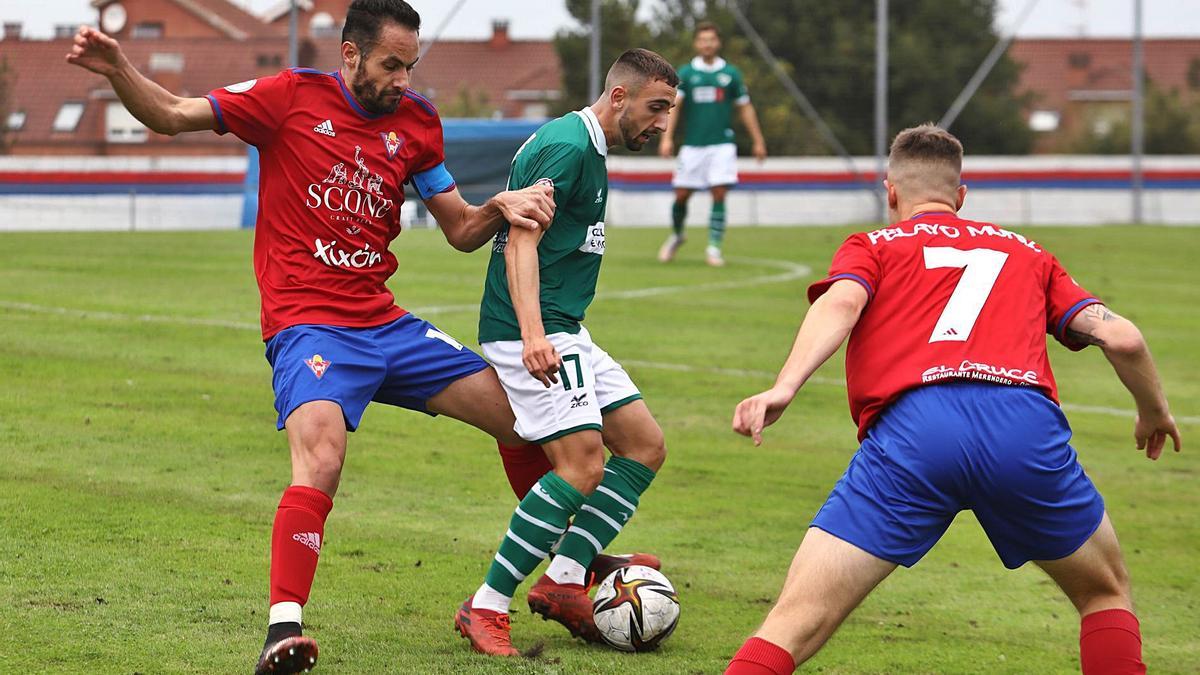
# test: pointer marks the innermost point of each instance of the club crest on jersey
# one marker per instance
(392, 142)
(318, 365)
(544, 181)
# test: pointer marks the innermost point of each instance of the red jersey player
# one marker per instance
(951, 389)
(335, 150)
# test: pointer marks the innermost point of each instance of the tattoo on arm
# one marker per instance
(1090, 313)
(1100, 313)
(1084, 338)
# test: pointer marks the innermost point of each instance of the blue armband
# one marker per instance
(433, 181)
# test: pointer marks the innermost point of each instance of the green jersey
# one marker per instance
(569, 153)
(709, 92)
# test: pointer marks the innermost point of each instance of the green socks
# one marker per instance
(605, 513)
(538, 522)
(716, 225)
(678, 215)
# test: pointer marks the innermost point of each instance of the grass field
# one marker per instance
(140, 469)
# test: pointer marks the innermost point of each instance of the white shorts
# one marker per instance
(700, 167)
(590, 384)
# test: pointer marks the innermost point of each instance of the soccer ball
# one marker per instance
(636, 608)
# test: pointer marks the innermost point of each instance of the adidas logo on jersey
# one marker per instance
(309, 539)
(326, 128)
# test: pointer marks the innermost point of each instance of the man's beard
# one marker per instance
(368, 95)
(629, 134)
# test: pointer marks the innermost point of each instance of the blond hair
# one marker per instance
(925, 163)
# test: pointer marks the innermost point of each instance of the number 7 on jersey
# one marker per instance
(981, 267)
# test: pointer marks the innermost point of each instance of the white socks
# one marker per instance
(489, 598)
(564, 570)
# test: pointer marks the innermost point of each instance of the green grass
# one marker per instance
(140, 469)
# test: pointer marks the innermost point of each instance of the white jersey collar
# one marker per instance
(699, 64)
(595, 131)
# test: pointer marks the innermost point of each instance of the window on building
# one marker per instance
(68, 116)
(148, 30)
(120, 126)
(1044, 120)
(16, 120)
(322, 25)
(268, 60)
(1079, 59)
(166, 62)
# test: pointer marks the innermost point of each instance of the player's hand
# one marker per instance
(531, 208)
(96, 52)
(759, 150)
(666, 147)
(541, 359)
(1151, 432)
(760, 411)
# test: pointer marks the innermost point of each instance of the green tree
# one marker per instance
(1172, 127)
(620, 31)
(467, 102)
(829, 50)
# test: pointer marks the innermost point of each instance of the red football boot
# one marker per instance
(488, 631)
(296, 654)
(567, 604)
(605, 565)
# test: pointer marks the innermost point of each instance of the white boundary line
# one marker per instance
(792, 271)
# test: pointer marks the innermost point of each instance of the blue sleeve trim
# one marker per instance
(216, 106)
(433, 181)
(852, 277)
(1060, 331)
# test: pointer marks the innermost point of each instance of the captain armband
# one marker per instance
(433, 181)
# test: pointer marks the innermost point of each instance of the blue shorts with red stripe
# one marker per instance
(1001, 451)
(402, 363)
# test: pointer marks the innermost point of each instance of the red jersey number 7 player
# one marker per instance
(951, 388)
(335, 151)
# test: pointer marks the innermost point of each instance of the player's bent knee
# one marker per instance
(584, 473)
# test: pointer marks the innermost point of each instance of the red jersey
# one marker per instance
(329, 194)
(950, 299)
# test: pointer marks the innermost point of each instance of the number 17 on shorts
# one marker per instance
(590, 383)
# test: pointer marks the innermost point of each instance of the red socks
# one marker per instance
(525, 465)
(759, 657)
(296, 542)
(1110, 643)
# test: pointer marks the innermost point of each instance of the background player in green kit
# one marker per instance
(709, 90)
(567, 393)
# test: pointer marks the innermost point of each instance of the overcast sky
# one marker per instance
(540, 19)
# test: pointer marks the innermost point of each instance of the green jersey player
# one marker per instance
(567, 393)
(709, 91)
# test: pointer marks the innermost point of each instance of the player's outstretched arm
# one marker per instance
(161, 111)
(467, 227)
(540, 357)
(1127, 351)
(824, 329)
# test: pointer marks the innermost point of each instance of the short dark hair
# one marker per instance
(926, 162)
(365, 17)
(703, 26)
(637, 66)
(927, 143)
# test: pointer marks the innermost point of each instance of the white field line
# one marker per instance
(790, 272)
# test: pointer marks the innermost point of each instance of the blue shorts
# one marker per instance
(402, 363)
(1002, 452)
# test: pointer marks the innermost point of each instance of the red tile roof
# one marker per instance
(1057, 70)
(40, 81)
